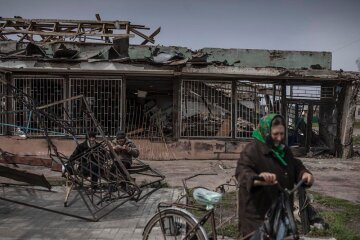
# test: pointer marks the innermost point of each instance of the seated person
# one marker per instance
(126, 151)
(125, 148)
(87, 167)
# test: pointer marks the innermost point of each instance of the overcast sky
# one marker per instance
(314, 25)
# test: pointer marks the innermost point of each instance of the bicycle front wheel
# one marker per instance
(173, 223)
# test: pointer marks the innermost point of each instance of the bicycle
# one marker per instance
(279, 220)
(175, 221)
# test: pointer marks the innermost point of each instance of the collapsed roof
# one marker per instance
(61, 46)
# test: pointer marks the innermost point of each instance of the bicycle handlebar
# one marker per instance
(301, 182)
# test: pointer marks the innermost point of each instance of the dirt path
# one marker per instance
(333, 177)
(336, 177)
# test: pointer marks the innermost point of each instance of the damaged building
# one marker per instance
(174, 102)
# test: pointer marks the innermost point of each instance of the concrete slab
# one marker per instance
(20, 222)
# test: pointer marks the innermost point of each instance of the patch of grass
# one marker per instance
(225, 209)
(356, 138)
(357, 125)
(230, 230)
(342, 216)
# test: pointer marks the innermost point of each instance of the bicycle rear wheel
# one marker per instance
(173, 223)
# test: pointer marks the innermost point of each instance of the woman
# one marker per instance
(266, 156)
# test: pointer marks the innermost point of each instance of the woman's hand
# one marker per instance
(308, 178)
(269, 179)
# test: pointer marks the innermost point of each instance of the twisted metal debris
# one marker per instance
(114, 186)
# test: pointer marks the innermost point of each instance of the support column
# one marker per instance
(233, 107)
(123, 103)
(275, 110)
(176, 108)
(347, 118)
(284, 108)
(9, 118)
(309, 128)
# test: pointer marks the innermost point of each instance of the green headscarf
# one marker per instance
(263, 131)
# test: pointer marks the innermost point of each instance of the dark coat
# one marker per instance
(84, 163)
(80, 149)
(127, 156)
(254, 201)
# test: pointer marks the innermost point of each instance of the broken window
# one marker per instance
(206, 108)
(253, 101)
(305, 100)
(248, 108)
(149, 109)
(104, 97)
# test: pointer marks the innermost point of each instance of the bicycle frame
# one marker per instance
(208, 215)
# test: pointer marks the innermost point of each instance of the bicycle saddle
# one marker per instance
(206, 197)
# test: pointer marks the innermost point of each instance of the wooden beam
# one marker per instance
(59, 102)
(23, 176)
(65, 34)
(225, 128)
(156, 32)
(26, 35)
(61, 21)
(142, 35)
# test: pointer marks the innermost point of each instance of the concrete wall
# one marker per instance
(180, 150)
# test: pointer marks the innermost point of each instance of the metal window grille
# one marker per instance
(2, 109)
(206, 108)
(147, 121)
(252, 101)
(246, 108)
(310, 92)
(43, 90)
(105, 99)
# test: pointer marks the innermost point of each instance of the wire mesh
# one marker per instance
(43, 90)
(2, 108)
(147, 121)
(252, 101)
(206, 108)
(104, 97)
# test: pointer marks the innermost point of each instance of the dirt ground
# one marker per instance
(333, 177)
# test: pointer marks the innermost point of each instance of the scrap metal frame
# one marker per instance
(115, 186)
